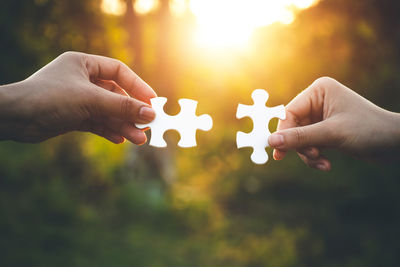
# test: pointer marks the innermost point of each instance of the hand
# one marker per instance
(79, 92)
(329, 115)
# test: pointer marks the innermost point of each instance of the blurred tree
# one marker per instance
(132, 25)
(165, 51)
(80, 201)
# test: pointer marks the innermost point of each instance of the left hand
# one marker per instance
(80, 92)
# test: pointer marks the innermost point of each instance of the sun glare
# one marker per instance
(222, 23)
(113, 7)
(178, 7)
(145, 6)
(230, 23)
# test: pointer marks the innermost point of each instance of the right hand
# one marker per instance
(329, 115)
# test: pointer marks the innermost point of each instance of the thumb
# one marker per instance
(124, 107)
(318, 134)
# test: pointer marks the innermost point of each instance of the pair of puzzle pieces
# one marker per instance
(187, 123)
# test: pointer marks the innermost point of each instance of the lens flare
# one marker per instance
(145, 6)
(222, 23)
(113, 7)
(178, 7)
(230, 23)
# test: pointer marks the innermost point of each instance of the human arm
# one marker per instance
(329, 115)
(77, 92)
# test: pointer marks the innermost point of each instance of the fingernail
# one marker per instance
(311, 152)
(147, 114)
(321, 167)
(276, 140)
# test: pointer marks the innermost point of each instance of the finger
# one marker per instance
(127, 130)
(107, 133)
(111, 69)
(321, 134)
(110, 86)
(123, 107)
(133, 134)
(305, 108)
(321, 163)
(309, 152)
(290, 122)
(279, 154)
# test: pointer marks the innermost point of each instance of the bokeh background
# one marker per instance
(78, 200)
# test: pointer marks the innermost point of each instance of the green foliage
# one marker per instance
(78, 200)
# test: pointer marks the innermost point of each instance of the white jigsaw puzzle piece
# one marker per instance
(261, 115)
(186, 123)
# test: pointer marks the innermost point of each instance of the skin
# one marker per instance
(77, 92)
(81, 92)
(329, 115)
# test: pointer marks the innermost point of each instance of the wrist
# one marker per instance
(396, 125)
(391, 134)
(13, 116)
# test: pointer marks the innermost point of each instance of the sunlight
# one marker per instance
(222, 23)
(145, 6)
(178, 7)
(227, 23)
(113, 7)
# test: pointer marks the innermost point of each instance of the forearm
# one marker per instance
(393, 133)
(13, 119)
